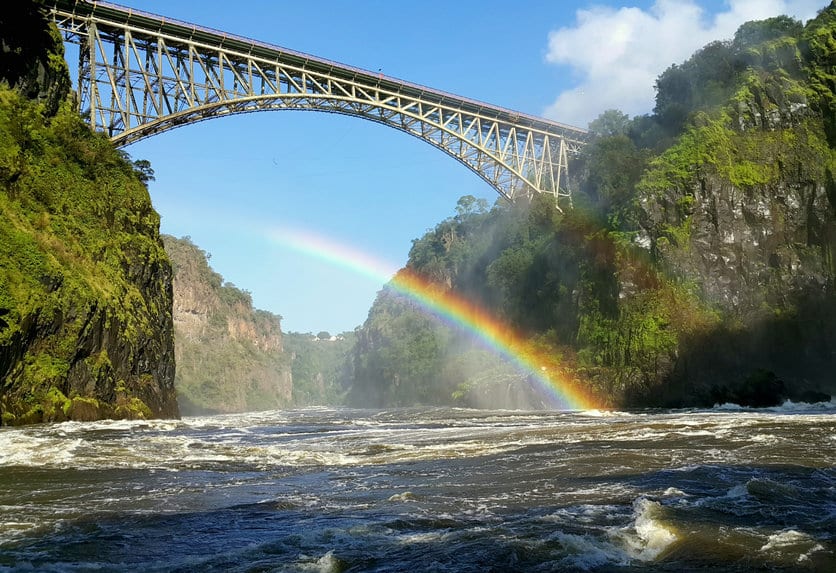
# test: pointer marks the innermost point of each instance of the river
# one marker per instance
(328, 490)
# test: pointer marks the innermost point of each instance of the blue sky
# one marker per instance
(228, 183)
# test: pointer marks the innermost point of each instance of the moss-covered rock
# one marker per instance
(85, 284)
(743, 204)
(84, 409)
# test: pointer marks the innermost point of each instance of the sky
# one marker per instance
(241, 186)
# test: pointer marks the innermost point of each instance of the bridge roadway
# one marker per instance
(140, 74)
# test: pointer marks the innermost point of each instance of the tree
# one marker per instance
(759, 31)
(611, 122)
(143, 170)
(324, 335)
(673, 98)
(615, 167)
(470, 205)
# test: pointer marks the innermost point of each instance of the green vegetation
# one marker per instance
(696, 266)
(319, 366)
(83, 274)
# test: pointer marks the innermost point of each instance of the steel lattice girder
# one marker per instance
(141, 74)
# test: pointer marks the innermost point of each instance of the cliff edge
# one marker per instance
(86, 328)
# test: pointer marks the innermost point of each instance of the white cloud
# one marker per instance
(617, 53)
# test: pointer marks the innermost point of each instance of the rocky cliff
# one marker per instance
(85, 285)
(744, 205)
(696, 267)
(31, 60)
(229, 355)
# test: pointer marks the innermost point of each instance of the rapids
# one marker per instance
(728, 489)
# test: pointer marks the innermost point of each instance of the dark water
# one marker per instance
(425, 490)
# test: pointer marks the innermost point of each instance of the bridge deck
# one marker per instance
(220, 39)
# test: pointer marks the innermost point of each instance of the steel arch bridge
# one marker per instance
(140, 74)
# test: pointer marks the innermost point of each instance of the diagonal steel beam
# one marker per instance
(184, 73)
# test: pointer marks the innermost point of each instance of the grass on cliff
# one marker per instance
(76, 214)
(78, 233)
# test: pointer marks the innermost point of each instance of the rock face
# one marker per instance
(750, 218)
(86, 327)
(229, 355)
(32, 60)
(764, 258)
(752, 247)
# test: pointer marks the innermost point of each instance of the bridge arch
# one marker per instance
(142, 74)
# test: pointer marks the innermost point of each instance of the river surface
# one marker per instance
(333, 490)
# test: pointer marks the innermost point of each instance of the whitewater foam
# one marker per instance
(646, 537)
(788, 406)
(305, 492)
(607, 414)
(784, 539)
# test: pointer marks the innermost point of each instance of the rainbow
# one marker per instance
(538, 364)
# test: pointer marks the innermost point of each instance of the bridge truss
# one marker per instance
(142, 74)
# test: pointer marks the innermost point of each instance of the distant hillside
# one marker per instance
(229, 356)
(320, 367)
